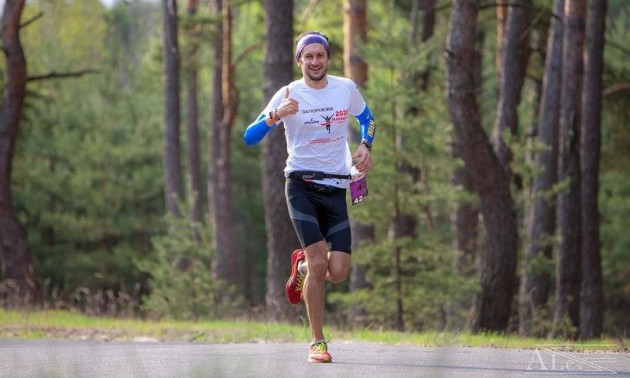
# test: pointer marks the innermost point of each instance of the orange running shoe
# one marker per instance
(293, 288)
(319, 352)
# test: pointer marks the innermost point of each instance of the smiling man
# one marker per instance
(315, 111)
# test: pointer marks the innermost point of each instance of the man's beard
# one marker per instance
(322, 74)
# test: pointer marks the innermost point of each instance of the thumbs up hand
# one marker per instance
(288, 106)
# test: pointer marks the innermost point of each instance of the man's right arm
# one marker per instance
(267, 121)
(259, 128)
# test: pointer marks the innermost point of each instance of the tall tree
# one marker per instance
(215, 123)
(16, 260)
(428, 28)
(173, 187)
(401, 225)
(536, 282)
(568, 265)
(281, 238)
(192, 111)
(592, 292)
(354, 34)
(498, 262)
(515, 53)
(465, 220)
(226, 261)
(502, 12)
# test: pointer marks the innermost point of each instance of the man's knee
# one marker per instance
(317, 267)
(338, 274)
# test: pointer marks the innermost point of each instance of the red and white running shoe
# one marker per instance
(293, 288)
(319, 352)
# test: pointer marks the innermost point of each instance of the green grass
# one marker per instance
(63, 324)
(72, 325)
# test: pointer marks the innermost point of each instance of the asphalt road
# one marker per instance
(45, 358)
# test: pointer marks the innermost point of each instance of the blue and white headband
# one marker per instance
(307, 40)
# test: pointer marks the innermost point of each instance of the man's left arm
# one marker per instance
(367, 129)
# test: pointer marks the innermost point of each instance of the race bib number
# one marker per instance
(358, 190)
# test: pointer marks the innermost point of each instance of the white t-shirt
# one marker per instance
(317, 134)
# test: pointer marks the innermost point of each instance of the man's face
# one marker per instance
(314, 61)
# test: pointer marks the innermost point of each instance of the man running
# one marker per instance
(315, 113)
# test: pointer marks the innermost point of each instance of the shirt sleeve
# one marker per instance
(357, 103)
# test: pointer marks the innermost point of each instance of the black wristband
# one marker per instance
(367, 144)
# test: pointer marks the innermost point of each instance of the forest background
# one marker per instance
(132, 204)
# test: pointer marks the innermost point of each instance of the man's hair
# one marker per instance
(307, 33)
(321, 38)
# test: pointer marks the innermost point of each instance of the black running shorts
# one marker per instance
(319, 212)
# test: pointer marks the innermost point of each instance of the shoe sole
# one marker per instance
(323, 360)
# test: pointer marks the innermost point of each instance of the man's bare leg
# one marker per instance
(337, 265)
(317, 260)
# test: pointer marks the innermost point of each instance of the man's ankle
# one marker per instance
(302, 268)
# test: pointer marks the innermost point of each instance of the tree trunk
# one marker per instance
(428, 28)
(428, 25)
(464, 224)
(354, 34)
(173, 188)
(535, 285)
(515, 56)
(213, 130)
(421, 80)
(498, 262)
(502, 12)
(400, 226)
(226, 259)
(592, 295)
(361, 235)
(355, 68)
(192, 114)
(16, 260)
(215, 122)
(281, 238)
(465, 221)
(568, 265)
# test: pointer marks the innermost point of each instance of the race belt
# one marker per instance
(315, 175)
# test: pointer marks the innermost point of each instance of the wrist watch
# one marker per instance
(273, 115)
(367, 144)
